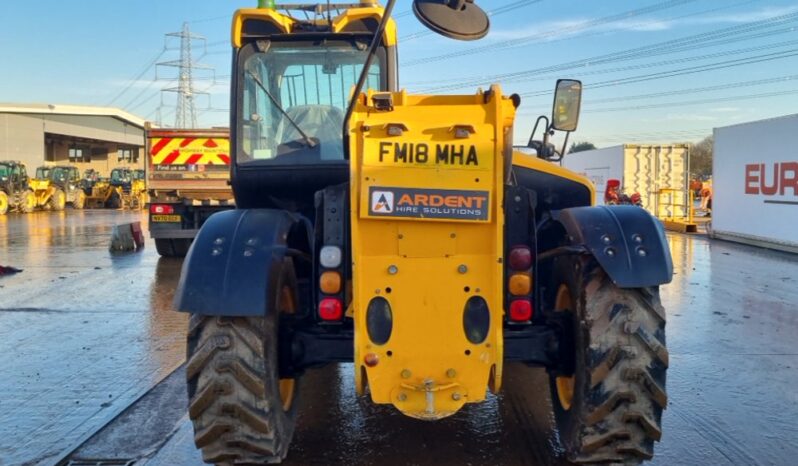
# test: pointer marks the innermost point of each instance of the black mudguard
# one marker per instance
(627, 242)
(234, 261)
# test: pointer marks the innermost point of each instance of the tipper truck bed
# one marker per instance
(188, 180)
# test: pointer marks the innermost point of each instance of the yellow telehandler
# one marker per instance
(48, 195)
(403, 234)
(57, 186)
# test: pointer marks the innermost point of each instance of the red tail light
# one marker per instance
(520, 258)
(161, 209)
(521, 310)
(331, 309)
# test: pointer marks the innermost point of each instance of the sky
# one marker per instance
(653, 70)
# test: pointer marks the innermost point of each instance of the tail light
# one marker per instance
(331, 309)
(330, 282)
(520, 262)
(330, 257)
(520, 284)
(520, 258)
(161, 209)
(521, 310)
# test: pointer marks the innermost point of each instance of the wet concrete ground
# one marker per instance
(87, 340)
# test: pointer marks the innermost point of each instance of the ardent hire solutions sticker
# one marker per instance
(428, 203)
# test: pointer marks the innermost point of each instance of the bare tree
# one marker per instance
(701, 157)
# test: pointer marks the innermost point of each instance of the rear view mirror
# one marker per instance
(456, 19)
(567, 103)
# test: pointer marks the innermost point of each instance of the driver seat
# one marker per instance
(321, 122)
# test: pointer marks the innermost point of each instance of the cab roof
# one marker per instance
(337, 18)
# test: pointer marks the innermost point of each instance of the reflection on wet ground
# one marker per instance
(84, 334)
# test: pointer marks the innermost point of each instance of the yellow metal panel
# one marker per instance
(355, 14)
(286, 24)
(428, 369)
(534, 163)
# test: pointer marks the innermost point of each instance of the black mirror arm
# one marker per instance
(564, 147)
(535, 130)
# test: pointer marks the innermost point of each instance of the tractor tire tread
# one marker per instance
(245, 375)
(626, 362)
(28, 207)
(234, 418)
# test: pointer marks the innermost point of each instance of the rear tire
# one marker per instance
(164, 247)
(242, 412)
(617, 388)
(115, 201)
(80, 200)
(57, 200)
(28, 202)
(177, 247)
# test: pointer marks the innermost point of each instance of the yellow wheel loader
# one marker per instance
(131, 189)
(403, 234)
(102, 195)
(125, 189)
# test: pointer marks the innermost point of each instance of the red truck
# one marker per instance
(188, 174)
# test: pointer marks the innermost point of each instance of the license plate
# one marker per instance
(167, 218)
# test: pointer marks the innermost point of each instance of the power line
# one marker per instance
(551, 33)
(588, 105)
(719, 87)
(693, 102)
(213, 18)
(692, 134)
(138, 96)
(498, 11)
(493, 78)
(685, 71)
(546, 92)
(721, 36)
(679, 60)
(142, 103)
(137, 78)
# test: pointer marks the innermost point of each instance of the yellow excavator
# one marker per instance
(403, 234)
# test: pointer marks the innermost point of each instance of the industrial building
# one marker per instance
(100, 138)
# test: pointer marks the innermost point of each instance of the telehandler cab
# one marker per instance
(403, 234)
(15, 192)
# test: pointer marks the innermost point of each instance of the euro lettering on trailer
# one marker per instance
(457, 155)
(428, 203)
